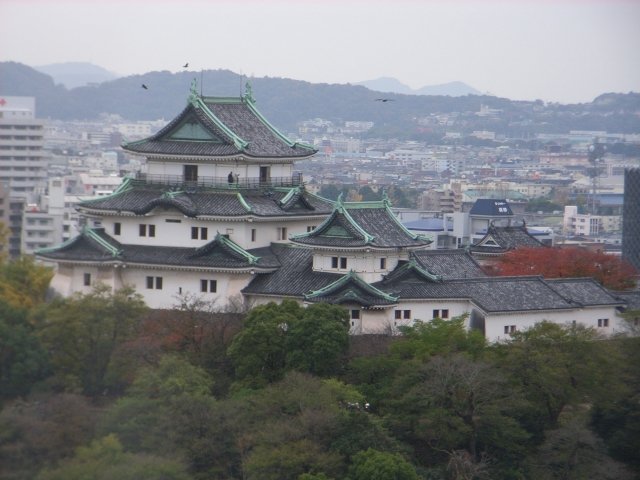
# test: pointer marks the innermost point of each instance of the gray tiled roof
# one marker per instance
(295, 276)
(631, 298)
(585, 291)
(507, 238)
(492, 294)
(141, 199)
(97, 246)
(350, 226)
(236, 119)
(449, 264)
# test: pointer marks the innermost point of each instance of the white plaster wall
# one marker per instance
(172, 234)
(176, 283)
(495, 323)
(367, 265)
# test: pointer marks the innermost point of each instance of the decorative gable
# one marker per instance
(352, 289)
(192, 130)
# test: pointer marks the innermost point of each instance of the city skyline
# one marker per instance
(566, 51)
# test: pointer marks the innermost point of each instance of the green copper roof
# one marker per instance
(243, 202)
(226, 241)
(345, 280)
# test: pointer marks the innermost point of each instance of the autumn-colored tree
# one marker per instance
(24, 283)
(570, 262)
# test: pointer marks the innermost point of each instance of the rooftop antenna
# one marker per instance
(201, 82)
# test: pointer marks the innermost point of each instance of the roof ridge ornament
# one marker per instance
(193, 91)
(385, 198)
(248, 92)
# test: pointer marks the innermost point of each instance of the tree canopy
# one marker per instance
(609, 270)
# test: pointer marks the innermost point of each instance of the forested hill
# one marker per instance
(286, 102)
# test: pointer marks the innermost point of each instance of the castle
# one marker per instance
(221, 214)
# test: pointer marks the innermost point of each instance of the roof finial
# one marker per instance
(385, 198)
(248, 92)
(193, 94)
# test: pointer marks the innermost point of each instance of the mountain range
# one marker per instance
(80, 74)
(77, 74)
(286, 102)
(393, 85)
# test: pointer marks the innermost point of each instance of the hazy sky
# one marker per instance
(562, 50)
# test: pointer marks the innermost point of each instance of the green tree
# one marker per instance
(105, 459)
(277, 338)
(558, 366)
(23, 361)
(317, 342)
(456, 403)
(572, 451)
(438, 337)
(83, 333)
(160, 406)
(368, 194)
(258, 351)
(375, 465)
(41, 430)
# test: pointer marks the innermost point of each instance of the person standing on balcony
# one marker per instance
(230, 178)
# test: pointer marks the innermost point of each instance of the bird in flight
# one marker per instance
(385, 100)
(185, 65)
(145, 87)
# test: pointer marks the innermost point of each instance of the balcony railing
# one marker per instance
(219, 182)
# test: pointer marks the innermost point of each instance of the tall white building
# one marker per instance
(23, 160)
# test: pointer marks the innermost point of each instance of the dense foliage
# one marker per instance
(96, 387)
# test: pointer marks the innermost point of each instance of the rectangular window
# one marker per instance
(201, 233)
(173, 220)
(407, 314)
(253, 234)
(445, 313)
(210, 286)
(282, 233)
(383, 264)
(509, 329)
(191, 173)
(310, 228)
(355, 314)
(436, 314)
(334, 262)
(343, 263)
(603, 322)
(398, 314)
(117, 228)
(146, 230)
(87, 279)
(154, 282)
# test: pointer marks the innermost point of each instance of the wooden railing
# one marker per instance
(219, 182)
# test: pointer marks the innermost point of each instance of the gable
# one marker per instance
(191, 130)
